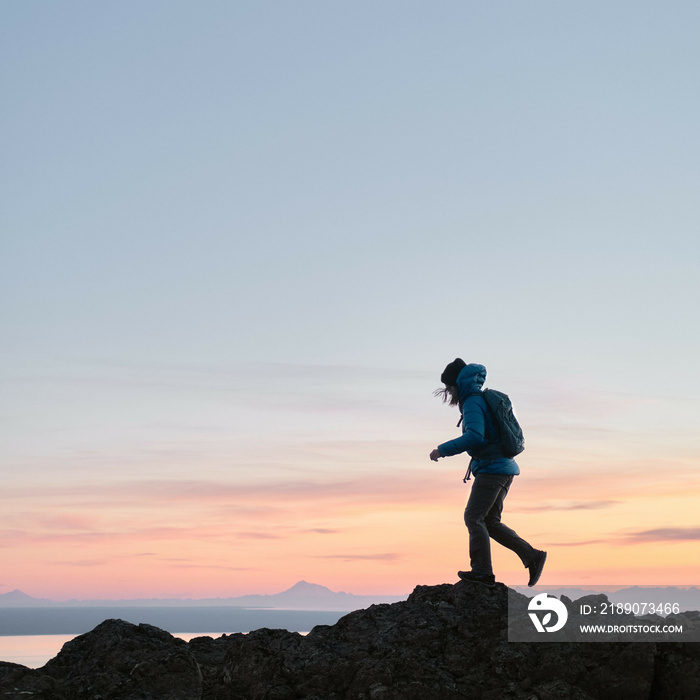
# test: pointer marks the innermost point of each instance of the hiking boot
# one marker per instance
(484, 579)
(536, 567)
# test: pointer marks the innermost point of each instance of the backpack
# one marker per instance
(510, 433)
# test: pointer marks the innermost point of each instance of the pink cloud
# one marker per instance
(388, 556)
(582, 543)
(82, 562)
(565, 505)
(665, 534)
(258, 535)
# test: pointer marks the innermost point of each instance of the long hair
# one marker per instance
(448, 394)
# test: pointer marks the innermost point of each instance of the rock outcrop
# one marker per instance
(445, 642)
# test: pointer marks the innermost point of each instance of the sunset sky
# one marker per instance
(241, 240)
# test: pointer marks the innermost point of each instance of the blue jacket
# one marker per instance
(479, 436)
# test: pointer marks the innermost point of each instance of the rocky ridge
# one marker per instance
(445, 642)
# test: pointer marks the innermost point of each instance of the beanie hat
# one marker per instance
(449, 376)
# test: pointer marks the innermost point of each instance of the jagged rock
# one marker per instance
(445, 642)
(116, 661)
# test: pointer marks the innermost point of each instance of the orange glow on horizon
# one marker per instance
(371, 535)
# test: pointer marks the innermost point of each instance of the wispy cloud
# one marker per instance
(249, 499)
(214, 567)
(259, 385)
(665, 534)
(75, 522)
(81, 562)
(258, 535)
(616, 480)
(678, 534)
(581, 543)
(113, 537)
(388, 556)
(565, 505)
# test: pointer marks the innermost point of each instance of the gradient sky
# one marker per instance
(241, 240)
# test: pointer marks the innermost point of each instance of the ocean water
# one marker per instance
(75, 620)
(33, 651)
(33, 636)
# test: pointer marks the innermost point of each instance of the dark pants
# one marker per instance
(482, 517)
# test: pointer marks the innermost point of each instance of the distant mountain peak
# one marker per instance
(304, 587)
(16, 595)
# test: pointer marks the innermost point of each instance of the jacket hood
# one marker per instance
(470, 380)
